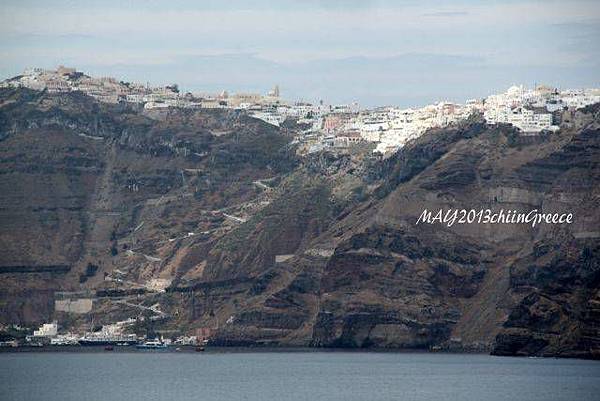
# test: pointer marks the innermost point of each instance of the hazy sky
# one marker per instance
(374, 52)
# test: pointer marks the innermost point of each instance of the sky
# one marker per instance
(404, 53)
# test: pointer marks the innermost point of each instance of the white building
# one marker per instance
(47, 330)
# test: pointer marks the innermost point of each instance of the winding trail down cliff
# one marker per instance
(100, 226)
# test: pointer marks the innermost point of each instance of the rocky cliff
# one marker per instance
(113, 204)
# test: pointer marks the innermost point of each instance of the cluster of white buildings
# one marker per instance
(110, 90)
(46, 330)
(105, 89)
(533, 110)
(389, 127)
(328, 126)
(275, 111)
(530, 110)
(47, 333)
(268, 107)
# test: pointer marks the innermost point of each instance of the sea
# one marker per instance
(224, 375)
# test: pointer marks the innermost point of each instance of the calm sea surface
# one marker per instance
(310, 376)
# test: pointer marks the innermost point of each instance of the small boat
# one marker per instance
(152, 344)
(199, 348)
(109, 348)
(104, 339)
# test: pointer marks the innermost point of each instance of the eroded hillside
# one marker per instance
(113, 204)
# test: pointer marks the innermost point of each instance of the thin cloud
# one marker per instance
(446, 14)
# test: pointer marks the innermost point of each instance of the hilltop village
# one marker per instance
(329, 126)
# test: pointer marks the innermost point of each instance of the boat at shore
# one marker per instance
(152, 344)
(91, 339)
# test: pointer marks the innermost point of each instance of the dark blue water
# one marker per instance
(281, 376)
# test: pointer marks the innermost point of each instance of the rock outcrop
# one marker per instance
(266, 248)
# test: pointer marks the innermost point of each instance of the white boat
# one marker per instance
(152, 344)
(106, 339)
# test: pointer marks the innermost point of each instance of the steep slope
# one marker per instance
(112, 204)
(90, 189)
(376, 279)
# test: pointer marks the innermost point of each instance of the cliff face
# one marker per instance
(266, 248)
(89, 189)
